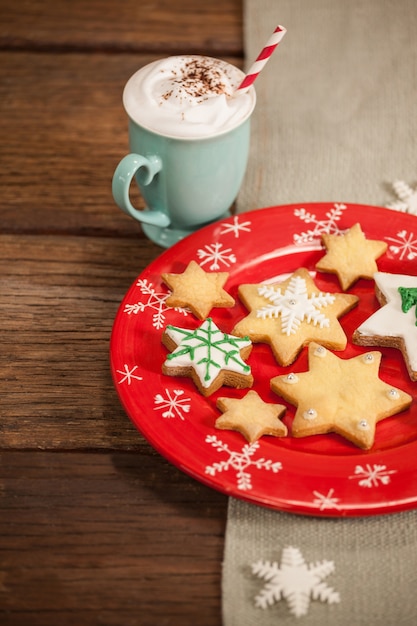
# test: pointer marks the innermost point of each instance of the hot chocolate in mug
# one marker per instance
(189, 134)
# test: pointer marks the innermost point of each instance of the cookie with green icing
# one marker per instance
(207, 355)
(394, 325)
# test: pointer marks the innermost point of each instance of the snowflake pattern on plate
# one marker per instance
(241, 462)
(172, 404)
(236, 227)
(328, 225)
(372, 475)
(128, 375)
(404, 245)
(155, 301)
(214, 254)
(327, 501)
(295, 581)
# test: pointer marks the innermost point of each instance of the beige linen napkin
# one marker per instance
(336, 120)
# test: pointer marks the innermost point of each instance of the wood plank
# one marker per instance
(63, 132)
(59, 297)
(111, 539)
(147, 26)
(67, 113)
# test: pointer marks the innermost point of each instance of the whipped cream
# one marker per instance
(188, 97)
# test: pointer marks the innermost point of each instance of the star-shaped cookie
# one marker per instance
(351, 256)
(395, 324)
(290, 314)
(198, 290)
(207, 355)
(251, 416)
(344, 396)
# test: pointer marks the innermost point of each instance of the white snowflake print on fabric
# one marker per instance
(128, 375)
(328, 225)
(295, 581)
(241, 462)
(235, 227)
(215, 255)
(372, 475)
(172, 404)
(326, 501)
(295, 305)
(404, 245)
(154, 300)
(407, 198)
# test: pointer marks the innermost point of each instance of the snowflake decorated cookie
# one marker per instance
(251, 416)
(343, 396)
(351, 256)
(198, 290)
(394, 325)
(290, 314)
(207, 355)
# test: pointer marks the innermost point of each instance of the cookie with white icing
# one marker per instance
(207, 355)
(394, 325)
(290, 314)
(343, 396)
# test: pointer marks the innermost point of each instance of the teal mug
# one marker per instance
(188, 176)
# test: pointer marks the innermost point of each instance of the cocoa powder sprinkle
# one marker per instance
(198, 78)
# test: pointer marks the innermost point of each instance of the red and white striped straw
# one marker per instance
(262, 59)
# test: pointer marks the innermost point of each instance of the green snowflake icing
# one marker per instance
(408, 298)
(209, 349)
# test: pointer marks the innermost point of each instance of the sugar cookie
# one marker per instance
(251, 416)
(198, 290)
(395, 324)
(344, 396)
(351, 256)
(207, 355)
(290, 314)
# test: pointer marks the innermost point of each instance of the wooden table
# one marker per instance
(95, 526)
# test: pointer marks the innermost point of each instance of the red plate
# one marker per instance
(320, 475)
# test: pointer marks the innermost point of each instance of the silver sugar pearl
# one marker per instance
(363, 425)
(393, 394)
(291, 378)
(368, 358)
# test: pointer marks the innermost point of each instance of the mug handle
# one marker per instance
(122, 178)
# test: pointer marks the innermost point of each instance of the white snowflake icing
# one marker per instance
(236, 227)
(215, 255)
(405, 245)
(155, 301)
(295, 581)
(407, 198)
(327, 501)
(240, 462)
(372, 475)
(172, 405)
(328, 225)
(128, 375)
(295, 305)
